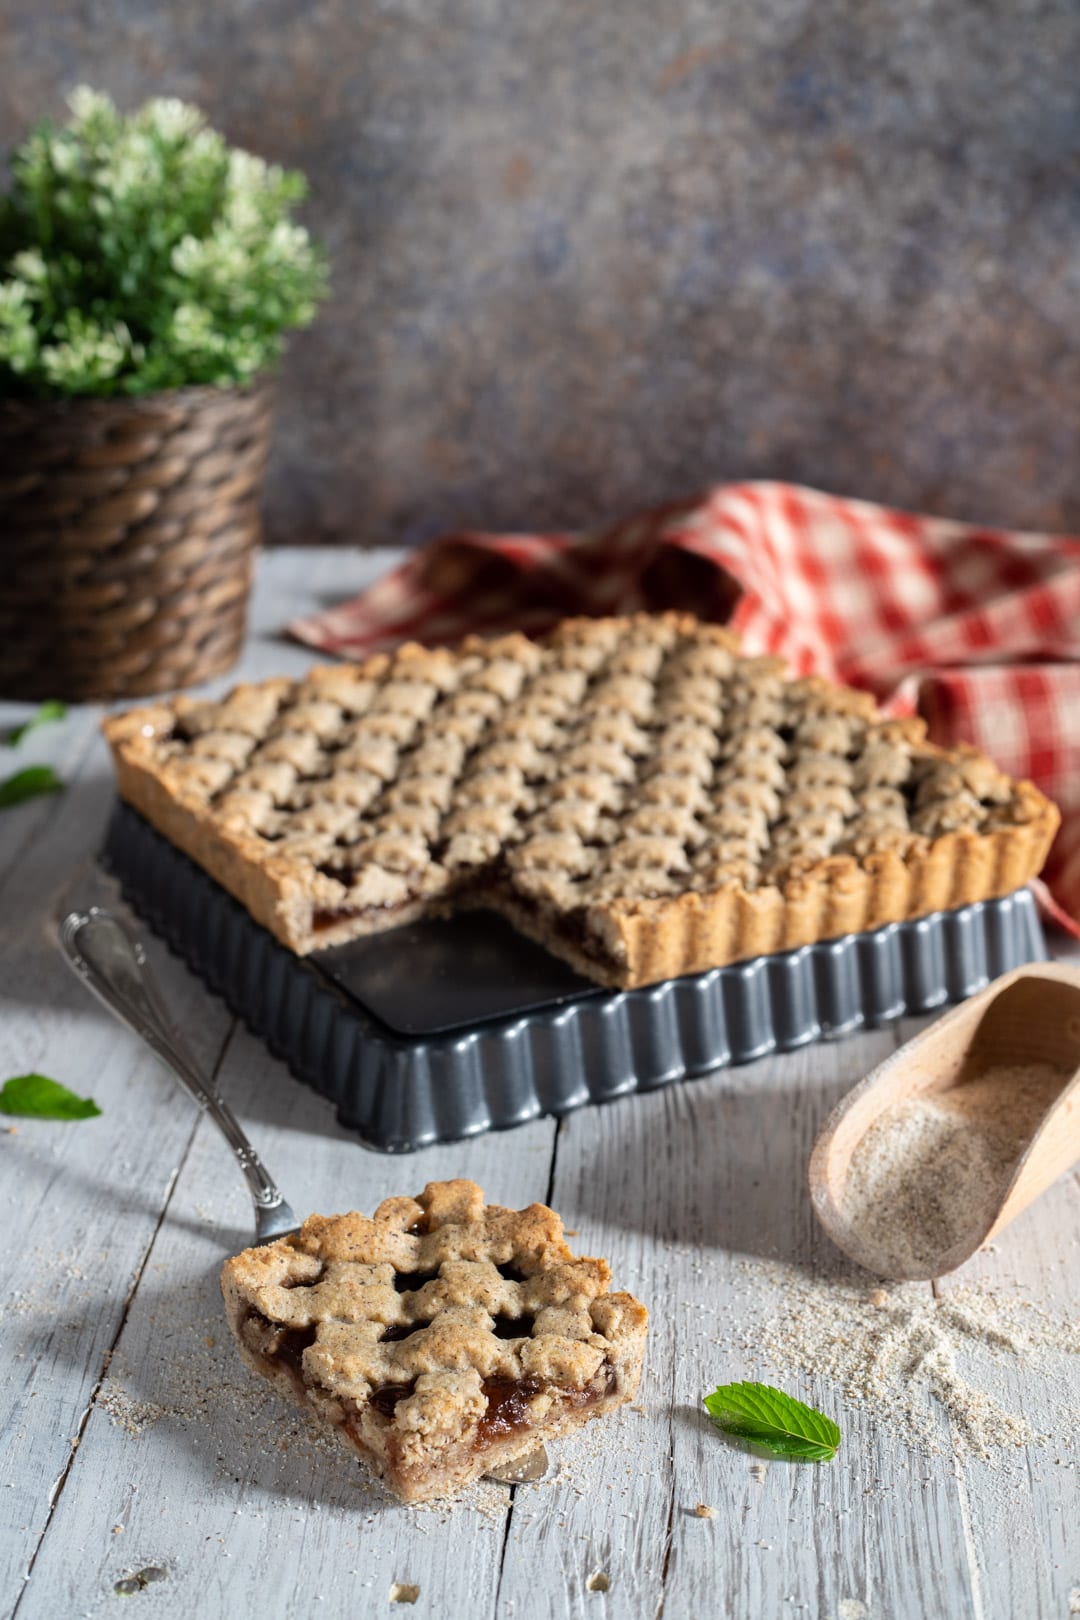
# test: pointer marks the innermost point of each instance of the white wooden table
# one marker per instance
(133, 1441)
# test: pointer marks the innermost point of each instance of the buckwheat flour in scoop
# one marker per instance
(931, 1172)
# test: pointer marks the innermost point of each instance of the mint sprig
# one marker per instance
(27, 784)
(767, 1417)
(36, 1096)
(44, 715)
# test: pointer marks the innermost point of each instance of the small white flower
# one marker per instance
(90, 106)
(187, 256)
(173, 119)
(247, 173)
(29, 266)
(63, 155)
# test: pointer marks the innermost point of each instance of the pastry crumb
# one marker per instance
(597, 1582)
(402, 1592)
(703, 1511)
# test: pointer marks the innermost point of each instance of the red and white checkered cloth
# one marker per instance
(977, 629)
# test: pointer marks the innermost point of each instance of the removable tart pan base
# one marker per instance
(445, 1029)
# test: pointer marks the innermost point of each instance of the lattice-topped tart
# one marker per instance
(632, 792)
(440, 1338)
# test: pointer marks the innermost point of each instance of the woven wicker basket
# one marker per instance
(128, 529)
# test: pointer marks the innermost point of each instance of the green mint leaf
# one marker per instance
(49, 711)
(768, 1417)
(38, 1097)
(28, 784)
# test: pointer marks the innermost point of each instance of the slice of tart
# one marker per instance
(440, 1338)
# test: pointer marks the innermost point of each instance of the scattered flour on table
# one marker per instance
(126, 1411)
(903, 1354)
(931, 1172)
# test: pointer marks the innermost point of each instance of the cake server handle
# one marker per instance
(113, 966)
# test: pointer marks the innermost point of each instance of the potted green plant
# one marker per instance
(148, 274)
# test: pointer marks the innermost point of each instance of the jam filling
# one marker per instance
(385, 1400)
(508, 1403)
(282, 1345)
(568, 926)
(290, 1347)
(507, 1407)
(509, 1400)
(505, 1327)
(324, 917)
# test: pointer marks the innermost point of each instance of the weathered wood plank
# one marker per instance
(83, 1201)
(228, 1490)
(802, 1538)
(686, 1190)
(1023, 1525)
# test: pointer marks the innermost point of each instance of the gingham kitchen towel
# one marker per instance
(977, 629)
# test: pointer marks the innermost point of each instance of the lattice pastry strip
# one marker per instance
(441, 1337)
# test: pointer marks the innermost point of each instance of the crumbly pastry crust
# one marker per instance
(440, 1337)
(632, 792)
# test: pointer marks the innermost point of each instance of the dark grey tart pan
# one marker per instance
(447, 1029)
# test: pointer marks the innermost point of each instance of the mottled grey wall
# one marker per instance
(591, 254)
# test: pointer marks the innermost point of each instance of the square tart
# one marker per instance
(633, 792)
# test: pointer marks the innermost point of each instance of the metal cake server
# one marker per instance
(113, 966)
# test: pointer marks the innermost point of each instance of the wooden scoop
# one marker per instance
(1029, 1016)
